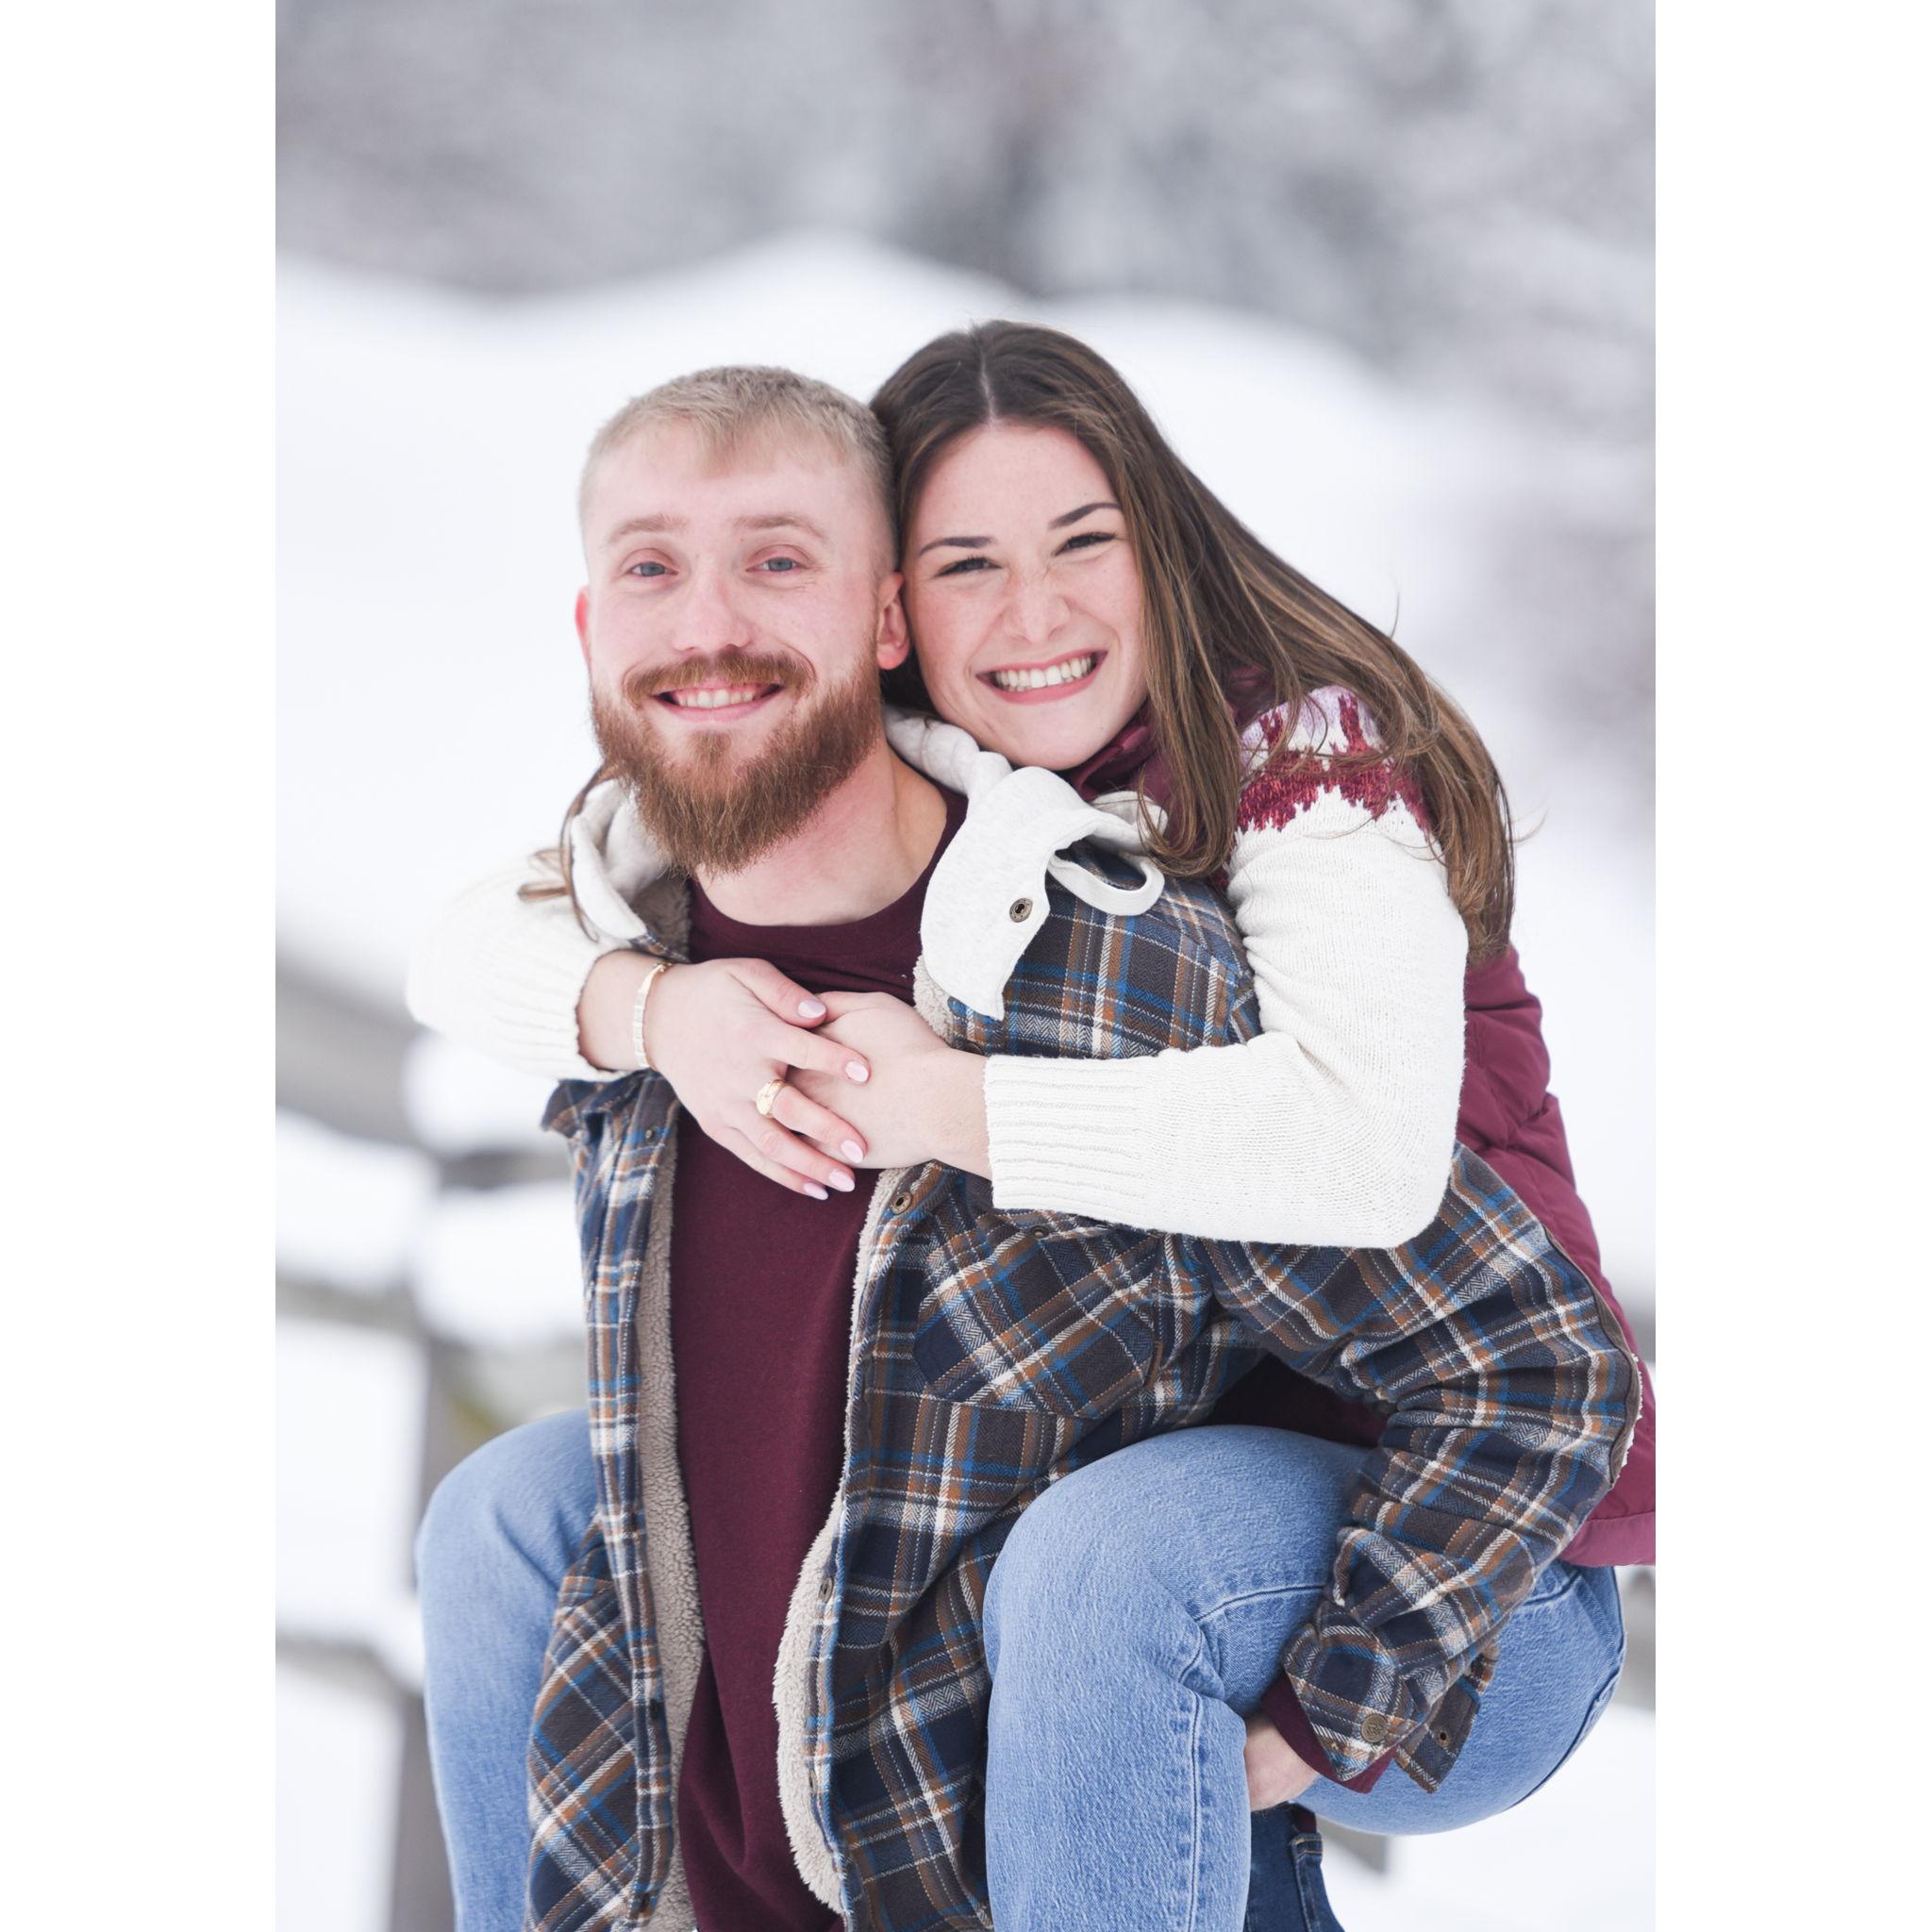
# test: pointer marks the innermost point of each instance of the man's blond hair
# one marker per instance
(736, 407)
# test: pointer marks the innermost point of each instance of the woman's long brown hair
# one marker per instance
(1222, 613)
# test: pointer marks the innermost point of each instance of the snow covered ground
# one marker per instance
(500, 1266)
(337, 1757)
(349, 1211)
(349, 1440)
(1576, 1854)
(433, 724)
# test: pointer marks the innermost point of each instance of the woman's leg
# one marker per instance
(1561, 1658)
(1139, 1608)
(498, 1535)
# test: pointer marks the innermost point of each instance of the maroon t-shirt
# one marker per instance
(760, 1324)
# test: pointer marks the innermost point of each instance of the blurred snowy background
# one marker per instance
(1381, 269)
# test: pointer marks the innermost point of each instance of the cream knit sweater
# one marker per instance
(1333, 1125)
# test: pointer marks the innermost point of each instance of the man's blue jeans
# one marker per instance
(1138, 1607)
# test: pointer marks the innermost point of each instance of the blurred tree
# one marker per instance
(1446, 185)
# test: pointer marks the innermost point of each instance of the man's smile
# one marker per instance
(718, 704)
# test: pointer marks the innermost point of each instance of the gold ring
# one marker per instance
(768, 1096)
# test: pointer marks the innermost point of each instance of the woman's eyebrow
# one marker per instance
(1073, 516)
(1060, 523)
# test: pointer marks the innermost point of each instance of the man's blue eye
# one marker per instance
(780, 565)
(645, 569)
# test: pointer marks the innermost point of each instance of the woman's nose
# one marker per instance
(1036, 611)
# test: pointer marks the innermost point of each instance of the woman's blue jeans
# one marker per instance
(1141, 1608)
(1138, 1608)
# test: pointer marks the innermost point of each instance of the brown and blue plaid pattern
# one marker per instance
(997, 1352)
(600, 1753)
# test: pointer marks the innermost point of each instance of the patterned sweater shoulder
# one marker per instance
(1300, 758)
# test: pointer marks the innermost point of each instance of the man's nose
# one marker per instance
(710, 620)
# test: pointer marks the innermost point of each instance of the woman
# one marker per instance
(1082, 605)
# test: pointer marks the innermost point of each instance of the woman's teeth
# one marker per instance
(1068, 673)
(714, 700)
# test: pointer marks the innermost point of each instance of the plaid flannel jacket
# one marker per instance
(994, 1353)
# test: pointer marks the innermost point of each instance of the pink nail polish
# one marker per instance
(857, 1071)
(812, 1008)
(853, 1151)
(842, 1182)
(818, 1193)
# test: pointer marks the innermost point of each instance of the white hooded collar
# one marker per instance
(987, 894)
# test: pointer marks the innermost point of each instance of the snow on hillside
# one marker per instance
(432, 710)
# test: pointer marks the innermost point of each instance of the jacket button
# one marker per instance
(1374, 1728)
(901, 1202)
(1020, 912)
(1442, 1738)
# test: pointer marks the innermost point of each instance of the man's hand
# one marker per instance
(1275, 1775)
(925, 1100)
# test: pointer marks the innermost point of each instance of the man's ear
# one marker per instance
(584, 623)
(894, 640)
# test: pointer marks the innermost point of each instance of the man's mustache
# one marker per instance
(644, 682)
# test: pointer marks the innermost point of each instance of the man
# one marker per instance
(764, 1699)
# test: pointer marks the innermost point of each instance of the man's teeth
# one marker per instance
(1075, 668)
(714, 700)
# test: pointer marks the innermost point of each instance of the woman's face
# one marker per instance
(1024, 596)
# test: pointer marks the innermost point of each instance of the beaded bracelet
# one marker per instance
(637, 1014)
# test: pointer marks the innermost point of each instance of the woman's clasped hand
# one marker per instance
(864, 1081)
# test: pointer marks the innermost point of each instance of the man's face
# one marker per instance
(739, 612)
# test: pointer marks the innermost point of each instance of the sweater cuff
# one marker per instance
(533, 991)
(1283, 1709)
(1039, 1112)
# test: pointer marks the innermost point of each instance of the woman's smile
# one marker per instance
(1044, 684)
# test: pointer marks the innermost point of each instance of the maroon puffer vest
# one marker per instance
(1510, 1118)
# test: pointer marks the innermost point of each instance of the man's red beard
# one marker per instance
(709, 808)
